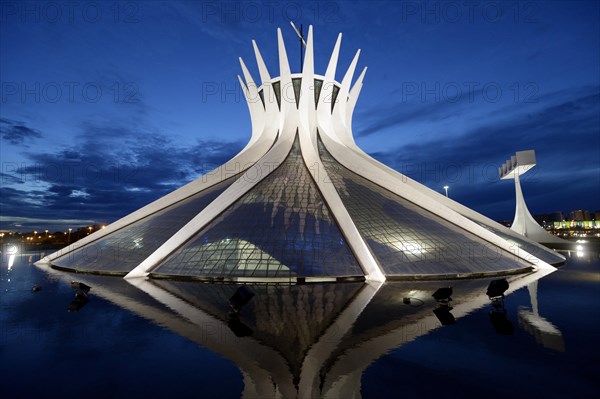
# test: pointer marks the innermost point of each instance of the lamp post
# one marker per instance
(69, 236)
(446, 188)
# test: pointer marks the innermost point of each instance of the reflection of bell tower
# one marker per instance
(523, 222)
(544, 332)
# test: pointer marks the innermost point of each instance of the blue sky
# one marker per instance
(106, 106)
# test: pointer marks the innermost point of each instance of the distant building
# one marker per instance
(579, 221)
(580, 215)
(558, 216)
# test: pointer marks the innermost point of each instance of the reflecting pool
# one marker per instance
(179, 338)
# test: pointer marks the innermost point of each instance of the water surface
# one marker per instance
(317, 340)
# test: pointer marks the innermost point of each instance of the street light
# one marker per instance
(69, 236)
(446, 188)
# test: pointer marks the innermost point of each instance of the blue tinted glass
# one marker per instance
(296, 83)
(405, 238)
(533, 248)
(280, 228)
(123, 250)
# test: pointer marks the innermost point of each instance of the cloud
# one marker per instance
(563, 132)
(51, 224)
(6, 178)
(112, 170)
(17, 133)
(221, 21)
(406, 113)
(107, 173)
(571, 122)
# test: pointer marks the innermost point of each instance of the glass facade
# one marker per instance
(296, 83)
(124, 249)
(533, 248)
(407, 239)
(277, 90)
(280, 228)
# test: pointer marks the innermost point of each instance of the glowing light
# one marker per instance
(11, 250)
(579, 247)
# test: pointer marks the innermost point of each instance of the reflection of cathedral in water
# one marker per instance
(312, 340)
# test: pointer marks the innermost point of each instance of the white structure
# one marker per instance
(524, 223)
(301, 202)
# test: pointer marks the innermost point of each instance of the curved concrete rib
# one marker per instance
(308, 143)
(240, 163)
(260, 170)
(525, 224)
(352, 100)
(274, 128)
(403, 180)
(359, 165)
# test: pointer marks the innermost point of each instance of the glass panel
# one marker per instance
(407, 239)
(124, 249)
(296, 83)
(336, 91)
(535, 249)
(318, 85)
(280, 228)
(277, 91)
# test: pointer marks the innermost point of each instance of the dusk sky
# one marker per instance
(107, 106)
